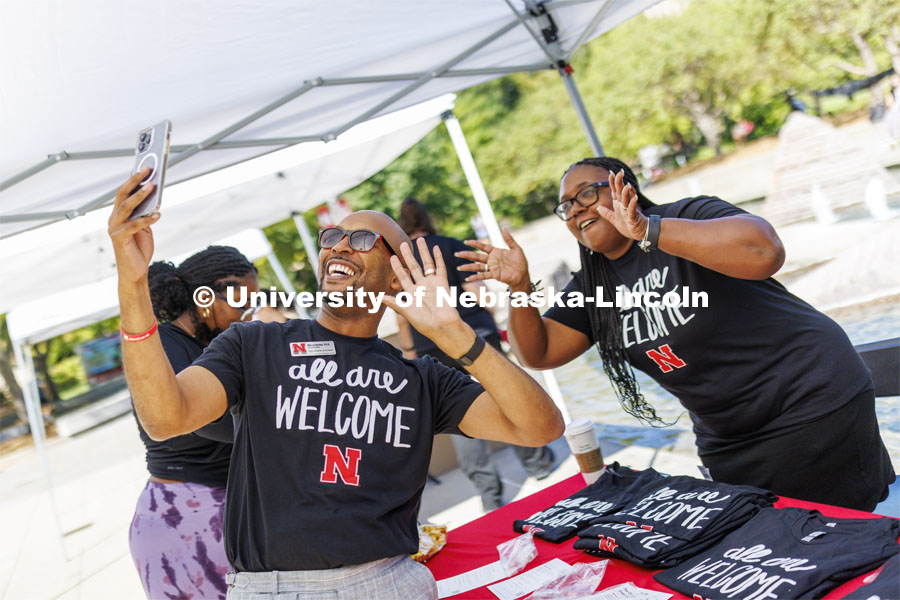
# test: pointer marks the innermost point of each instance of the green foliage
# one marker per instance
(291, 254)
(65, 345)
(68, 375)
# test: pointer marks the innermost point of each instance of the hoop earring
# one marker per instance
(205, 313)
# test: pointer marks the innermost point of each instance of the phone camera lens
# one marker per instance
(142, 146)
(145, 137)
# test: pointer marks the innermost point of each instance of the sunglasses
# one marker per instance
(585, 197)
(361, 240)
(246, 313)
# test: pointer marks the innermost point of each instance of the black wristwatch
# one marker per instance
(651, 235)
(474, 352)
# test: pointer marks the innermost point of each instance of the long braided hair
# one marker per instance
(606, 325)
(172, 288)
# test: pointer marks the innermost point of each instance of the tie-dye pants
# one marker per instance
(176, 541)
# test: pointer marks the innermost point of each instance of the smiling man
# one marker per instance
(333, 428)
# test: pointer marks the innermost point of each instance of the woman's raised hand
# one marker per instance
(625, 215)
(509, 266)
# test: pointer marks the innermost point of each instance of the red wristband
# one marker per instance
(141, 336)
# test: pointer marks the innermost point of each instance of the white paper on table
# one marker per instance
(530, 580)
(470, 580)
(629, 591)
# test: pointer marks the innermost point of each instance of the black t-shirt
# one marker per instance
(672, 519)
(885, 586)
(757, 358)
(476, 317)
(333, 438)
(611, 492)
(199, 457)
(786, 553)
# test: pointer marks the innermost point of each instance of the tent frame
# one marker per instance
(539, 12)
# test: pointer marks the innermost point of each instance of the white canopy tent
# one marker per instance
(240, 79)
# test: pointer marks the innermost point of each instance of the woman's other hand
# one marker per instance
(509, 266)
(625, 215)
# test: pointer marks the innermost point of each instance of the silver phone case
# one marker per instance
(155, 154)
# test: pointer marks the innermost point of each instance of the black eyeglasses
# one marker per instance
(361, 240)
(585, 197)
(246, 313)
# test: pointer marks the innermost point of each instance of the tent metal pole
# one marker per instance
(38, 433)
(216, 137)
(283, 278)
(473, 178)
(454, 73)
(555, 393)
(490, 221)
(580, 111)
(537, 39)
(306, 238)
(56, 214)
(587, 30)
(427, 77)
(308, 85)
(23, 175)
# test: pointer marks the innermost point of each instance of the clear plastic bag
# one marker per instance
(584, 579)
(515, 554)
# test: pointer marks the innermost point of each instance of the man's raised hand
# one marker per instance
(422, 284)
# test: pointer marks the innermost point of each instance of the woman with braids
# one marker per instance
(778, 396)
(176, 533)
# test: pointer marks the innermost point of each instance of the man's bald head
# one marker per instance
(379, 223)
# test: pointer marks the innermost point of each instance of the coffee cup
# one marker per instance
(583, 443)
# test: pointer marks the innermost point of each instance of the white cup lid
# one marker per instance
(579, 426)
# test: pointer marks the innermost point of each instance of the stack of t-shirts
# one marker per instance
(615, 488)
(787, 553)
(673, 519)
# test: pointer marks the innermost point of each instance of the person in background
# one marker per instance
(474, 455)
(176, 533)
(778, 396)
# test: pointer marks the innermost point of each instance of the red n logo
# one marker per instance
(607, 544)
(298, 348)
(665, 358)
(337, 464)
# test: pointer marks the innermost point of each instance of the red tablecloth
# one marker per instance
(475, 544)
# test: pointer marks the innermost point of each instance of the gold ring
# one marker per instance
(486, 269)
(429, 272)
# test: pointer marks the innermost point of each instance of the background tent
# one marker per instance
(34, 264)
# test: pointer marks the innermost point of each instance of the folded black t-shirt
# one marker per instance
(786, 553)
(672, 519)
(885, 586)
(611, 492)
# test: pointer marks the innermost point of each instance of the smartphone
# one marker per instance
(152, 151)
